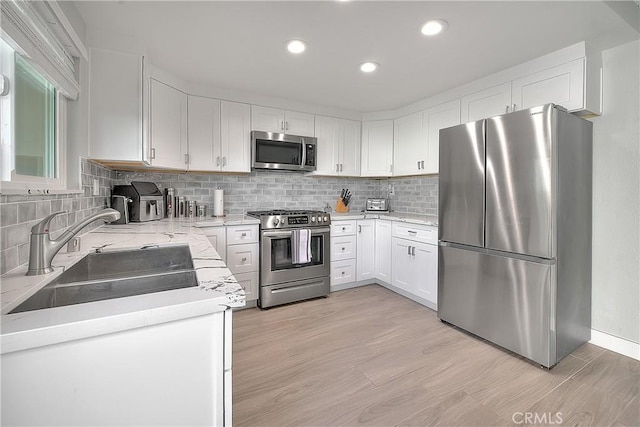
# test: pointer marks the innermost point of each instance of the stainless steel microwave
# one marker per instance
(280, 151)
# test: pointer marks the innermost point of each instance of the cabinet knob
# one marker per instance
(342, 249)
(244, 235)
(244, 259)
(342, 273)
(344, 228)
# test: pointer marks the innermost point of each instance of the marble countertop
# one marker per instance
(217, 289)
(391, 216)
(236, 219)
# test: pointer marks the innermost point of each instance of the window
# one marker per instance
(29, 110)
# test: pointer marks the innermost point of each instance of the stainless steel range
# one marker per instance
(295, 256)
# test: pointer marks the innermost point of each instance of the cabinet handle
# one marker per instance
(282, 125)
(243, 235)
(340, 167)
(390, 168)
(218, 161)
(506, 109)
(359, 229)
(514, 107)
(286, 125)
(412, 232)
(418, 164)
(224, 161)
(153, 153)
(408, 250)
(413, 250)
(244, 259)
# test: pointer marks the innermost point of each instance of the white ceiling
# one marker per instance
(239, 45)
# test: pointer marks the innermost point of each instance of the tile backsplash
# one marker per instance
(293, 190)
(257, 190)
(18, 213)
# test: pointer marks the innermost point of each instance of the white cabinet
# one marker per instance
(203, 136)
(486, 103)
(217, 236)
(235, 140)
(436, 118)
(562, 85)
(383, 250)
(574, 85)
(417, 136)
(115, 106)
(218, 135)
(343, 252)
(338, 151)
(408, 149)
(280, 121)
(415, 261)
(365, 249)
(167, 126)
(239, 250)
(377, 148)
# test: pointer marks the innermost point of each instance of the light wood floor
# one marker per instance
(369, 356)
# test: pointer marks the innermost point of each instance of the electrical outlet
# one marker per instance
(96, 187)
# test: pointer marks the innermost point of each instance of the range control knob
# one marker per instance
(276, 221)
(313, 218)
(326, 218)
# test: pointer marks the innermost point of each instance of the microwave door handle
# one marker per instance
(304, 153)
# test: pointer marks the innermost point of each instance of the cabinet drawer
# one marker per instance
(248, 282)
(343, 247)
(343, 228)
(242, 234)
(242, 258)
(343, 272)
(417, 233)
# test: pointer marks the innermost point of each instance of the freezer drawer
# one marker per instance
(507, 301)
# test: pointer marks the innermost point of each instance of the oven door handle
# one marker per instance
(285, 233)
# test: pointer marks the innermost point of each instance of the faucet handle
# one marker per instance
(43, 226)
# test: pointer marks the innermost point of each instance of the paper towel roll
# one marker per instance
(218, 202)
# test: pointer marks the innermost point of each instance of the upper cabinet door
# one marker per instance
(562, 85)
(168, 126)
(267, 119)
(328, 149)
(279, 121)
(203, 133)
(115, 106)
(521, 182)
(377, 148)
(350, 148)
(436, 118)
(296, 123)
(235, 140)
(409, 154)
(486, 103)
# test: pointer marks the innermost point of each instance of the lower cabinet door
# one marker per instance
(249, 282)
(242, 258)
(403, 269)
(426, 259)
(343, 272)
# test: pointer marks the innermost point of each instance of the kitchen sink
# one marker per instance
(117, 274)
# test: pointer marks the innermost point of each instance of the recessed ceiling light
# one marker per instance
(368, 67)
(433, 27)
(296, 46)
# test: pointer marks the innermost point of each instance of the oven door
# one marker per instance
(275, 257)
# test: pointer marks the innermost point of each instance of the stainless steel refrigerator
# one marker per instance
(515, 231)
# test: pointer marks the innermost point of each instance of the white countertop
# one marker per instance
(226, 220)
(217, 289)
(390, 216)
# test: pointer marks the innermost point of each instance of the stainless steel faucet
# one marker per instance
(43, 249)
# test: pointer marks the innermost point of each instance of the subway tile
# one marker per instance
(8, 214)
(8, 259)
(26, 211)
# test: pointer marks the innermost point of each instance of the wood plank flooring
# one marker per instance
(369, 356)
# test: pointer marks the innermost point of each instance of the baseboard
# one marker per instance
(613, 343)
(343, 286)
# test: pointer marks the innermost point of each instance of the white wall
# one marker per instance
(616, 196)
